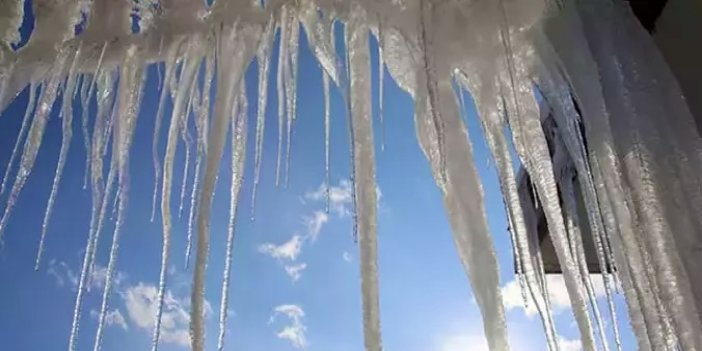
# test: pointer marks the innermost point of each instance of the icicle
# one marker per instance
(67, 134)
(239, 131)
(566, 117)
(171, 63)
(130, 85)
(532, 148)
(327, 127)
(381, 90)
(101, 134)
(235, 49)
(281, 84)
(576, 245)
(428, 60)
(189, 70)
(263, 56)
(201, 127)
(105, 98)
(34, 137)
(28, 113)
(492, 122)
(85, 107)
(291, 86)
(364, 174)
(187, 140)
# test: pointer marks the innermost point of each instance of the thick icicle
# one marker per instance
(239, 131)
(28, 113)
(463, 196)
(67, 134)
(364, 174)
(234, 50)
(263, 56)
(130, 85)
(190, 65)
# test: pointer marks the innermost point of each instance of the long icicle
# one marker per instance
(67, 134)
(171, 63)
(239, 131)
(190, 64)
(263, 56)
(280, 85)
(34, 137)
(85, 107)
(327, 129)
(576, 243)
(187, 140)
(532, 148)
(234, 50)
(107, 108)
(381, 85)
(291, 86)
(201, 127)
(28, 114)
(492, 122)
(364, 174)
(130, 85)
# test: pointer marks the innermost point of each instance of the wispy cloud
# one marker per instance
(340, 197)
(295, 271)
(512, 295)
(288, 250)
(314, 223)
(141, 302)
(112, 317)
(294, 332)
(63, 274)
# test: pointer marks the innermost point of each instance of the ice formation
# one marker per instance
(619, 134)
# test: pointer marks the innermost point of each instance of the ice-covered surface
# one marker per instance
(622, 135)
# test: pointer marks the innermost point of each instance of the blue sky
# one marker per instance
(295, 281)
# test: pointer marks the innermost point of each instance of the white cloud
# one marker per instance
(112, 317)
(288, 250)
(62, 274)
(346, 256)
(463, 343)
(569, 345)
(141, 302)
(295, 271)
(340, 197)
(512, 295)
(295, 331)
(314, 223)
(99, 275)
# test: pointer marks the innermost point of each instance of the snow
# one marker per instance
(623, 138)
